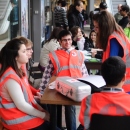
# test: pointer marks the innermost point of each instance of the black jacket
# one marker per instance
(75, 18)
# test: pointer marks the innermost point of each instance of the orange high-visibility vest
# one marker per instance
(34, 91)
(67, 64)
(125, 43)
(12, 117)
(107, 103)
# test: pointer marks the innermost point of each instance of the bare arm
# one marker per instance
(17, 96)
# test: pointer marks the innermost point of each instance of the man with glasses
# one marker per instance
(123, 11)
(66, 61)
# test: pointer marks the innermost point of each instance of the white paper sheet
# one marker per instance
(96, 80)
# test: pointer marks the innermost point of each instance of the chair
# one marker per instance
(107, 122)
(34, 71)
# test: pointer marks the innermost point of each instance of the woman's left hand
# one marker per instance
(38, 95)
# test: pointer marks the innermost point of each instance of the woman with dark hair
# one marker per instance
(111, 38)
(19, 110)
(75, 17)
(51, 45)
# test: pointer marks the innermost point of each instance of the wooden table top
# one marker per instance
(51, 96)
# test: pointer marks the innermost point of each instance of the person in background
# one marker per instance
(51, 45)
(74, 15)
(60, 15)
(91, 41)
(127, 28)
(78, 38)
(15, 91)
(123, 11)
(112, 99)
(81, 42)
(103, 6)
(111, 38)
(48, 22)
(118, 16)
(14, 19)
(65, 61)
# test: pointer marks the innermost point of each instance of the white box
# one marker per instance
(72, 88)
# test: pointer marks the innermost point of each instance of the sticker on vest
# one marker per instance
(74, 54)
(72, 80)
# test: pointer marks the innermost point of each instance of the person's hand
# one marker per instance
(93, 54)
(47, 116)
(38, 95)
(93, 50)
(128, 25)
(79, 36)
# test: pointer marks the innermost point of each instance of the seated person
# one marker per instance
(77, 37)
(112, 100)
(19, 110)
(65, 61)
(51, 45)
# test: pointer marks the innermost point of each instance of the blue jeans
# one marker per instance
(70, 117)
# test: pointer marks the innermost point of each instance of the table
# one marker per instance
(55, 99)
(93, 65)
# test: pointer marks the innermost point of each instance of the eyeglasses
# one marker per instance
(65, 40)
(29, 49)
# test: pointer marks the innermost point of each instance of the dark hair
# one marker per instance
(90, 35)
(107, 25)
(128, 14)
(72, 7)
(77, 2)
(64, 33)
(125, 8)
(113, 70)
(8, 54)
(74, 30)
(63, 3)
(55, 33)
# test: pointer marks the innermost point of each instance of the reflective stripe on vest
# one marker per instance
(126, 57)
(18, 120)
(59, 68)
(104, 110)
(24, 90)
(119, 110)
(86, 116)
(12, 105)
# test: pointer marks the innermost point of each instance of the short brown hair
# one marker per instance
(26, 41)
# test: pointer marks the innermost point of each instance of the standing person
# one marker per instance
(127, 28)
(112, 99)
(111, 38)
(75, 17)
(123, 11)
(17, 101)
(52, 44)
(60, 15)
(118, 16)
(65, 62)
(48, 22)
(13, 18)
